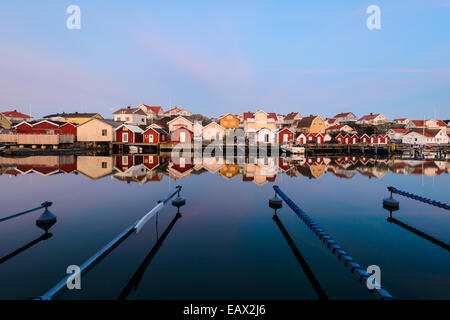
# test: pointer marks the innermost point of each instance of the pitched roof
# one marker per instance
(399, 130)
(369, 116)
(339, 126)
(341, 115)
(132, 128)
(155, 109)
(306, 122)
(430, 133)
(421, 123)
(157, 130)
(178, 118)
(248, 115)
(72, 115)
(128, 110)
(109, 122)
(400, 119)
(15, 114)
(270, 115)
(291, 116)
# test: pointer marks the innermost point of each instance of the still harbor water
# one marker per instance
(226, 244)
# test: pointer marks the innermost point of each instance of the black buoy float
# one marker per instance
(275, 202)
(178, 201)
(390, 203)
(46, 220)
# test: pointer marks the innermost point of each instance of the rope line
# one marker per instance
(419, 198)
(355, 268)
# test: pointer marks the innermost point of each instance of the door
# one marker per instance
(182, 136)
(285, 137)
(150, 138)
(125, 137)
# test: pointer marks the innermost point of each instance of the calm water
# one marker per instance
(226, 244)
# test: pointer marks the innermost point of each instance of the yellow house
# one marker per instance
(311, 124)
(259, 120)
(75, 117)
(229, 121)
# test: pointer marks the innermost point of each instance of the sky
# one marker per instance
(215, 57)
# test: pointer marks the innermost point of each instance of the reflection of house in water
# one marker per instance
(229, 170)
(95, 167)
(427, 168)
(43, 165)
(180, 167)
(262, 170)
(213, 164)
(138, 168)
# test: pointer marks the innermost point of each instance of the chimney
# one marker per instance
(371, 113)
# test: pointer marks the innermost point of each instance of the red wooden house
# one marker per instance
(285, 135)
(182, 135)
(364, 138)
(46, 127)
(68, 128)
(155, 135)
(126, 133)
(151, 161)
(382, 139)
(341, 138)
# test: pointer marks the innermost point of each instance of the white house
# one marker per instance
(213, 131)
(179, 122)
(265, 135)
(132, 116)
(426, 136)
(397, 134)
(372, 119)
(97, 130)
(345, 117)
(177, 112)
(152, 112)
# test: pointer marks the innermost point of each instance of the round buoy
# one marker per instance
(178, 202)
(275, 203)
(390, 204)
(46, 220)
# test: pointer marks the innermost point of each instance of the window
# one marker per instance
(104, 132)
(49, 132)
(104, 165)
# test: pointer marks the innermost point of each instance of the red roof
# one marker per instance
(337, 127)
(155, 109)
(400, 130)
(291, 116)
(420, 123)
(330, 121)
(341, 115)
(369, 116)
(248, 115)
(272, 115)
(15, 114)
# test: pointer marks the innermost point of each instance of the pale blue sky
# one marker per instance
(214, 57)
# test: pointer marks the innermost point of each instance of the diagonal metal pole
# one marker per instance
(99, 255)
